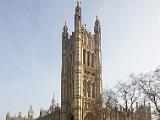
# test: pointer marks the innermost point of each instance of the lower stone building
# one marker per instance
(53, 113)
(141, 112)
(20, 117)
(50, 115)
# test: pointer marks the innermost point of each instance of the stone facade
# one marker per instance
(81, 82)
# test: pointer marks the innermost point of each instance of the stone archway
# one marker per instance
(89, 116)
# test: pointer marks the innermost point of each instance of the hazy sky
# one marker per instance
(30, 45)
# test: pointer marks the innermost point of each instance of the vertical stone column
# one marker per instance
(87, 93)
(90, 60)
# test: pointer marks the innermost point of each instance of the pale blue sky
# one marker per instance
(30, 38)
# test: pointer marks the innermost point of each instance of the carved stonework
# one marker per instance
(81, 84)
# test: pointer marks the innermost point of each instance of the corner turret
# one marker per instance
(53, 104)
(97, 31)
(97, 26)
(30, 113)
(8, 116)
(77, 18)
(65, 31)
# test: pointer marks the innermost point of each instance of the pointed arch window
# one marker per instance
(89, 89)
(84, 57)
(93, 90)
(92, 60)
(88, 58)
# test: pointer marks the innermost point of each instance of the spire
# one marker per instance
(30, 113)
(20, 115)
(97, 26)
(8, 116)
(65, 31)
(77, 18)
(96, 17)
(78, 9)
(65, 28)
(53, 100)
(77, 3)
(53, 104)
(97, 21)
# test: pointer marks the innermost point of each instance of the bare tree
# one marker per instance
(110, 97)
(149, 84)
(128, 95)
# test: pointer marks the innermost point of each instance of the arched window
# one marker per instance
(84, 57)
(93, 90)
(89, 89)
(92, 60)
(88, 58)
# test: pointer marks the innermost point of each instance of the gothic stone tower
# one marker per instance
(81, 82)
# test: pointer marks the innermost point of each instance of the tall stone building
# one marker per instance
(81, 81)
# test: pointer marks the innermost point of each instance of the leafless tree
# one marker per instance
(149, 84)
(128, 95)
(109, 96)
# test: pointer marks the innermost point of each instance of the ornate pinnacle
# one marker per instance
(65, 28)
(96, 17)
